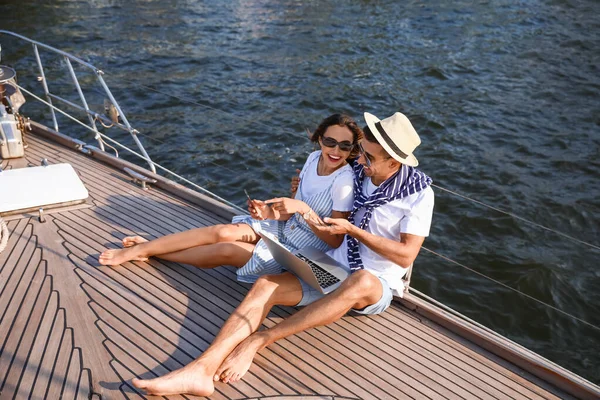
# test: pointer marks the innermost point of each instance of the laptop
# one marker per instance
(309, 264)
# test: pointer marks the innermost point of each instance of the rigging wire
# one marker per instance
(229, 114)
(208, 192)
(519, 218)
(510, 287)
(436, 186)
(431, 251)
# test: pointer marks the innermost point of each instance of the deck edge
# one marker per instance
(505, 348)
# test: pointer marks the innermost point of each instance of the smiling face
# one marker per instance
(377, 162)
(334, 157)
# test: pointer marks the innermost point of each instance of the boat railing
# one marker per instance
(111, 106)
(407, 279)
(93, 117)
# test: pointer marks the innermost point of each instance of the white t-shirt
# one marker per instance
(411, 214)
(342, 192)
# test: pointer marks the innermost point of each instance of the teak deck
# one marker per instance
(70, 328)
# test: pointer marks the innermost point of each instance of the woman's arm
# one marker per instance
(260, 210)
(287, 207)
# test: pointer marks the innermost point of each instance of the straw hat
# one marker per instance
(397, 136)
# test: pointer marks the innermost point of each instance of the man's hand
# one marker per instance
(285, 205)
(335, 226)
(295, 182)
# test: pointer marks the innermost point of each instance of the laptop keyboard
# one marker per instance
(324, 278)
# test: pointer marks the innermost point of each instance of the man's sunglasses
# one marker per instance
(331, 142)
(364, 153)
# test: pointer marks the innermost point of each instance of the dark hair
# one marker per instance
(340, 120)
(367, 134)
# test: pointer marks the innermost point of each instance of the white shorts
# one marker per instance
(310, 295)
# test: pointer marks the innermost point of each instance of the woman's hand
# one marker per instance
(258, 209)
(295, 182)
(285, 205)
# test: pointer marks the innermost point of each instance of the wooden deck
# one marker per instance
(70, 328)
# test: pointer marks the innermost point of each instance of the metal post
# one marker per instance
(407, 278)
(132, 131)
(46, 91)
(85, 105)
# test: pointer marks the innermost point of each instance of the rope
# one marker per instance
(3, 235)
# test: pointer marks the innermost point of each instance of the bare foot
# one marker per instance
(238, 362)
(191, 379)
(119, 256)
(133, 240)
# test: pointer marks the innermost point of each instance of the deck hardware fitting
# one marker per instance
(139, 178)
(42, 218)
(44, 162)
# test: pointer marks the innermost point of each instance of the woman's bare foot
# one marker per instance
(238, 362)
(130, 241)
(191, 379)
(119, 256)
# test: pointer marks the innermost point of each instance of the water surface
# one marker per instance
(503, 93)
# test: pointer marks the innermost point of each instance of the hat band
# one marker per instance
(389, 141)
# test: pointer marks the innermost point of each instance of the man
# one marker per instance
(390, 219)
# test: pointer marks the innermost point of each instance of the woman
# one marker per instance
(325, 190)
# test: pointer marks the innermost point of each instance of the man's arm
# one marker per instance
(402, 253)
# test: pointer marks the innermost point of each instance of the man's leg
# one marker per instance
(197, 377)
(179, 241)
(360, 290)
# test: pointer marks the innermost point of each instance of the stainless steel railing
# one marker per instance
(92, 116)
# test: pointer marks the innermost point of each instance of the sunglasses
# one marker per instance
(364, 153)
(331, 142)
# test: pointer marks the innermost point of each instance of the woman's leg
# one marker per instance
(214, 255)
(181, 241)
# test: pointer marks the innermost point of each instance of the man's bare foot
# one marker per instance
(191, 379)
(238, 362)
(119, 256)
(133, 240)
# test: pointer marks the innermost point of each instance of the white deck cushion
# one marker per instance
(31, 187)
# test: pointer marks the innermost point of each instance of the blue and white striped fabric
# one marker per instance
(406, 181)
(293, 233)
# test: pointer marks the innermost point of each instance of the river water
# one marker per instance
(505, 95)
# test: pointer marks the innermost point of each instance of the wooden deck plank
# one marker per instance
(503, 380)
(149, 318)
(135, 364)
(72, 376)
(83, 388)
(134, 274)
(372, 359)
(59, 369)
(20, 255)
(73, 299)
(416, 351)
(44, 374)
(34, 359)
(347, 372)
(19, 233)
(26, 289)
(404, 352)
(95, 179)
(20, 339)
